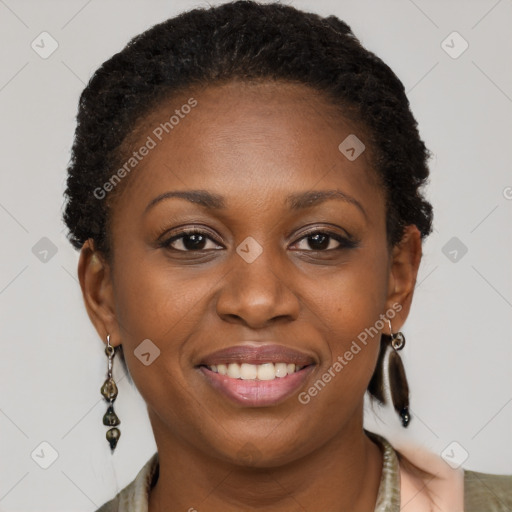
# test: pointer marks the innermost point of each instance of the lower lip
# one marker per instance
(257, 393)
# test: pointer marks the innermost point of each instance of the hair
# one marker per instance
(247, 41)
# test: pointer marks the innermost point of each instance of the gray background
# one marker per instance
(459, 352)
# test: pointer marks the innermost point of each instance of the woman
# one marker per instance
(245, 191)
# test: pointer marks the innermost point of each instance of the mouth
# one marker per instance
(257, 375)
(246, 371)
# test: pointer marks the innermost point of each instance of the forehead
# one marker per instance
(244, 138)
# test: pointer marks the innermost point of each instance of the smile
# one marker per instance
(257, 374)
(261, 385)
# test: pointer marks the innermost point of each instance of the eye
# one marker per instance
(190, 240)
(323, 240)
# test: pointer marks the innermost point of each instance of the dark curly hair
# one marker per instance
(244, 40)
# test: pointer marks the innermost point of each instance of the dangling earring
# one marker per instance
(398, 385)
(109, 392)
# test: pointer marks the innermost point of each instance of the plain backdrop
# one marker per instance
(458, 356)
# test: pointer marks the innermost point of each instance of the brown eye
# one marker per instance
(323, 241)
(190, 240)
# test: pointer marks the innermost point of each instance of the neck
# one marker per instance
(343, 475)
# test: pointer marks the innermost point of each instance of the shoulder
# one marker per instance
(135, 496)
(487, 492)
(427, 476)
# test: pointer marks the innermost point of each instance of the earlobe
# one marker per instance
(405, 262)
(95, 281)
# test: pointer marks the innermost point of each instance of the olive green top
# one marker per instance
(482, 492)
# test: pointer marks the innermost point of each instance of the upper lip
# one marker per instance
(257, 354)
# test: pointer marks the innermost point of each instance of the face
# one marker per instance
(282, 258)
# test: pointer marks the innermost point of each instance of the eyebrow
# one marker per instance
(201, 197)
(308, 199)
(297, 201)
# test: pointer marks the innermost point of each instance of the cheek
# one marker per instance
(350, 317)
(157, 303)
(152, 304)
(154, 300)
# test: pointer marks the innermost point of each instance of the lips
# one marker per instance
(256, 375)
(258, 354)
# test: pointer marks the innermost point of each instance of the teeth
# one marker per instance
(281, 369)
(265, 371)
(248, 371)
(233, 370)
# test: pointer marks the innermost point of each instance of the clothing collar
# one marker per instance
(135, 496)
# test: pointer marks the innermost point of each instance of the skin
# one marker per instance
(253, 144)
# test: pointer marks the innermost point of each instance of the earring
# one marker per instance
(398, 385)
(109, 392)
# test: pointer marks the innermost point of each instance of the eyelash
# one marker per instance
(345, 243)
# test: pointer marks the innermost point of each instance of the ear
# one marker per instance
(404, 263)
(95, 279)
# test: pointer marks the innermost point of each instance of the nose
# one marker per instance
(257, 294)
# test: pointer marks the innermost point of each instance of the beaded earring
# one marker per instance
(398, 386)
(109, 392)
